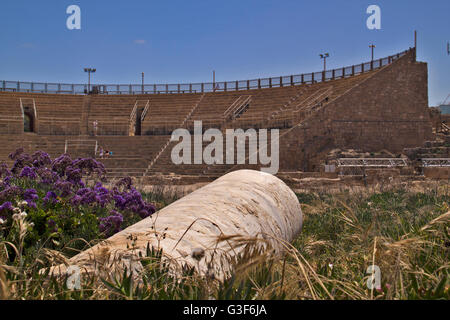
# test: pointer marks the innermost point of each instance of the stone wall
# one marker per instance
(388, 111)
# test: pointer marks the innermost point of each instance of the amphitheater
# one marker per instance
(358, 121)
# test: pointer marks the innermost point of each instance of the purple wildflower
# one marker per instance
(21, 160)
(60, 164)
(73, 175)
(48, 176)
(30, 195)
(10, 192)
(132, 201)
(28, 173)
(16, 153)
(76, 200)
(111, 224)
(4, 172)
(120, 201)
(6, 207)
(89, 166)
(65, 187)
(50, 197)
(88, 197)
(40, 159)
(6, 182)
(125, 182)
(31, 204)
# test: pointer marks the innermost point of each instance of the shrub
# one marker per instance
(60, 205)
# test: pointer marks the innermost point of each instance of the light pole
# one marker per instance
(324, 57)
(372, 46)
(89, 71)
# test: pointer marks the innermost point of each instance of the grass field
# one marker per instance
(403, 232)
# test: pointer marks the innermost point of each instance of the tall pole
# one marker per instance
(415, 39)
(214, 80)
(324, 57)
(89, 70)
(142, 83)
(415, 45)
(372, 46)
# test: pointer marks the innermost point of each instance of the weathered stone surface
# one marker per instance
(388, 110)
(245, 202)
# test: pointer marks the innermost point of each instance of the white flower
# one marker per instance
(16, 216)
(330, 265)
(2, 221)
(22, 203)
(32, 224)
(23, 214)
(16, 210)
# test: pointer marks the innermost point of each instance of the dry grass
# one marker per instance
(405, 232)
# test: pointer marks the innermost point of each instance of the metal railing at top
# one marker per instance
(238, 85)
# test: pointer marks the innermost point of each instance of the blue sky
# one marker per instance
(183, 41)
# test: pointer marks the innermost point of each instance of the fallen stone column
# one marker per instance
(245, 203)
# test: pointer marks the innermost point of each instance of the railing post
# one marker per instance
(353, 70)
(312, 77)
(129, 89)
(59, 87)
(333, 74)
(292, 80)
(259, 83)
(248, 84)
(32, 87)
(303, 78)
(154, 88)
(203, 87)
(281, 81)
(237, 85)
(362, 67)
(224, 86)
(167, 88)
(4, 85)
(178, 88)
(190, 87)
(18, 86)
(270, 82)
